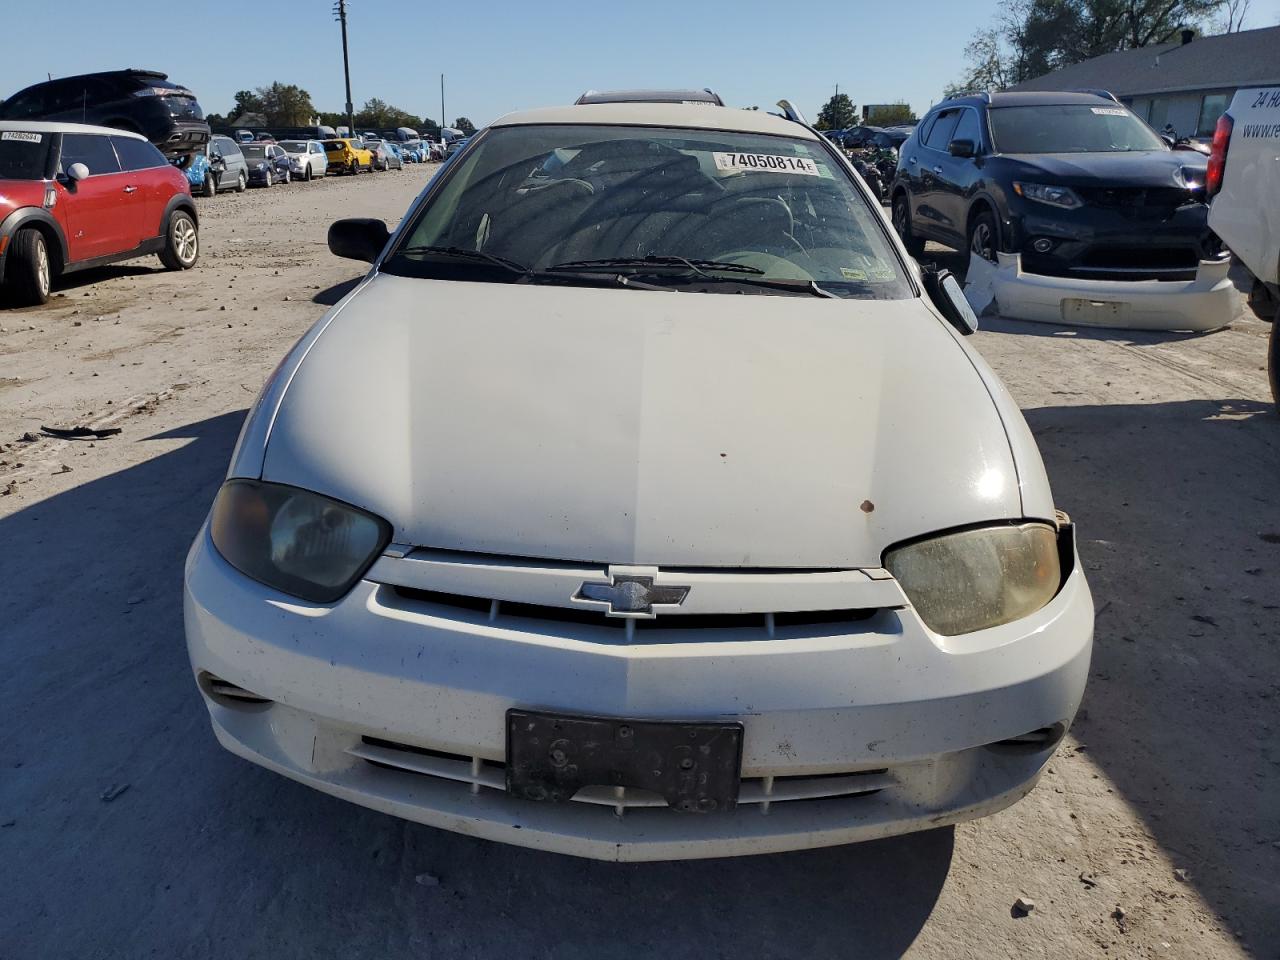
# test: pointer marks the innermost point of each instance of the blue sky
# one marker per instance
(500, 55)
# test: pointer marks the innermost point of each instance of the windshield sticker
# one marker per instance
(24, 137)
(765, 162)
(1110, 111)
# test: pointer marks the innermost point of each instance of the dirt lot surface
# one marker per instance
(125, 831)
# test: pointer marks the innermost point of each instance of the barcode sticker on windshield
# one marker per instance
(24, 137)
(766, 162)
(1110, 111)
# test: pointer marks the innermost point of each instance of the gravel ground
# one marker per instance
(125, 831)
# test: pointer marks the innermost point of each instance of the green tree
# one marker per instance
(248, 102)
(465, 125)
(1033, 37)
(837, 113)
(285, 105)
(428, 128)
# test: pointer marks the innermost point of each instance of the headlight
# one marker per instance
(296, 541)
(1063, 197)
(961, 582)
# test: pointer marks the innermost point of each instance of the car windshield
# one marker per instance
(23, 155)
(294, 146)
(255, 151)
(740, 212)
(1070, 128)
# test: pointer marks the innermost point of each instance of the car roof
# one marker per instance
(1030, 98)
(46, 126)
(694, 116)
(705, 95)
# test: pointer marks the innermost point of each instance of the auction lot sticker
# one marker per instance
(24, 137)
(766, 163)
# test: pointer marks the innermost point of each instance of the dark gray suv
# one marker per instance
(140, 101)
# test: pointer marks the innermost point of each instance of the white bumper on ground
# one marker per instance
(399, 705)
(1205, 303)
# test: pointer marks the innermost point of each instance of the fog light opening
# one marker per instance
(1042, 245)
(1033, 741)
(227, 694)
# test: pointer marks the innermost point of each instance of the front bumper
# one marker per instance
(1205, 303)
(399, 706)
(1098, 243)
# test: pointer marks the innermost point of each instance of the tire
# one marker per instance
(288, 176)
(355, 168)
(984, 236)
(210, 187)
(902, 224)
(270, 179)
(30, 272)
(306, 176)
(181, 242)
(242, 182)
(1273, 360)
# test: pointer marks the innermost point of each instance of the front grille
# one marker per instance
(498, 611)
(477, 773)
(1139, 199)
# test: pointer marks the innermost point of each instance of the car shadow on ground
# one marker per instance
(129, 831)
(1179, 526)
(331, 295)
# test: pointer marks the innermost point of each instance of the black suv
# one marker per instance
(1074, 182)
(141, 101)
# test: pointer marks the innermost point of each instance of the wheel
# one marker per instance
(210, 186)
(29, 274)
(242, 182)
(306, 174)
(270, 179)
(355, 168)
(984, 236)
(902, 224)
(288, 176)
(181, 242)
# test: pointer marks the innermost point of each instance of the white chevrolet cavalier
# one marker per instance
(644, 501)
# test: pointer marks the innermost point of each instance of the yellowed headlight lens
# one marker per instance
(967, 581)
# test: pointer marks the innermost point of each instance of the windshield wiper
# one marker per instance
(615, 263)
(458, 253)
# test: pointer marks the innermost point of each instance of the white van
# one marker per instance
(1244, 181)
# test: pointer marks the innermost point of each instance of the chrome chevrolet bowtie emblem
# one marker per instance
(631, 595)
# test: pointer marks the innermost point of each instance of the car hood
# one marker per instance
(1148, 168)
(676, 429)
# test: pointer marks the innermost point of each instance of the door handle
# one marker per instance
(911, 159)
(130, 189)
(937, 170)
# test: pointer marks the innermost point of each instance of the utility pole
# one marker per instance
(443, 121)
(340, 14)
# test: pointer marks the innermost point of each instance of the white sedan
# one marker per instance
(307, 159)
(685, 524)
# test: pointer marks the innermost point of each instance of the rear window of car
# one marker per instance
(255, 151)
(137, 154)
(24, 155)
(334, 146)
(293, 146)
(1070, 128)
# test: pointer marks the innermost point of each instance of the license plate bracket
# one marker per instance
(695, 767)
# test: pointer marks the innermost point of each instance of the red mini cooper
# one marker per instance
(75, 196)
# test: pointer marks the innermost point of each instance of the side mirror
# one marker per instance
(78, 172)
(358, 238)
(945, 292)
(962, 148)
